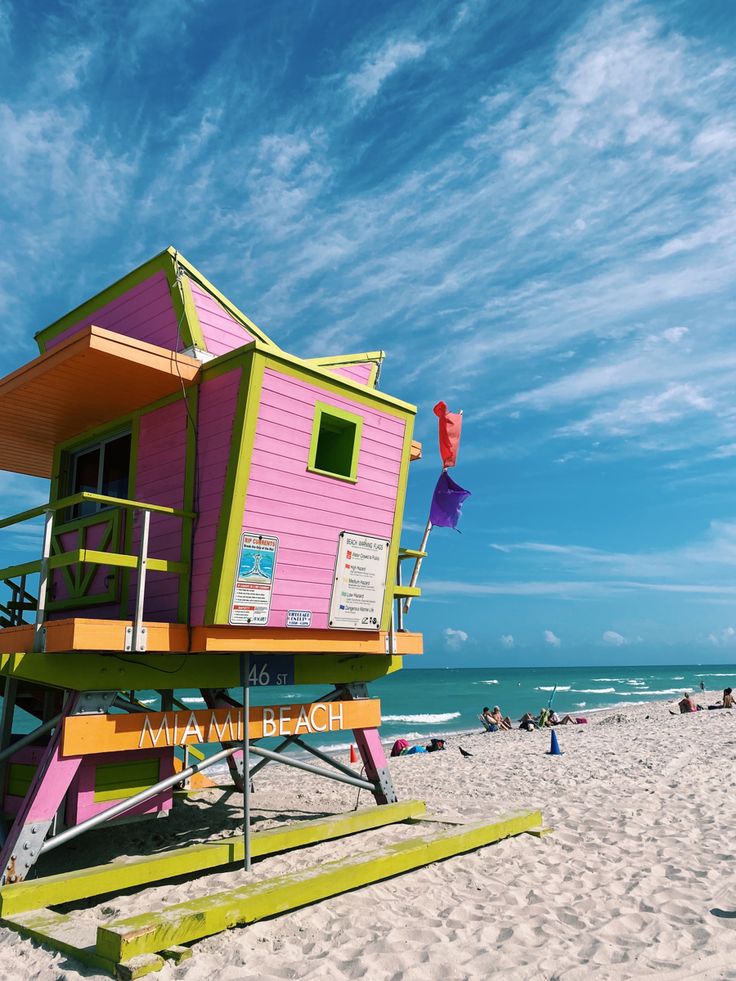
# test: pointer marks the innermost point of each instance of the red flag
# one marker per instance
(450, 427)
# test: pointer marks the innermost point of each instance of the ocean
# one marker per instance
(417, 704)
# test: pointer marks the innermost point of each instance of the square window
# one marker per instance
(335, 442)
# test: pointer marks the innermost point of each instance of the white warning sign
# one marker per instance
(254, 580)
(360, 582)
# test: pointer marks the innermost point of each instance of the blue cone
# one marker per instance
(554, 746)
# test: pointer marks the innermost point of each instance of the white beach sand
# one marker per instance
(644, 846)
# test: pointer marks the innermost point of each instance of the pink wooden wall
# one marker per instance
(159, 479)
(356, 372)
(307, 511)
(217, 404)
(144, 312)
(222, 333)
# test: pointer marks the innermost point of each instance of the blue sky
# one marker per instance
(530, 206)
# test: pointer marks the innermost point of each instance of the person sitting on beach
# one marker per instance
(486, 717)
(528, 722)
(726, 702)
(554, 720)
(498, 717)
(687, 704)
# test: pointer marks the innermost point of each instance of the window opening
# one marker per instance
(335, 442)
(101, 469)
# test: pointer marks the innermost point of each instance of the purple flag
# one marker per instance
(447, 502)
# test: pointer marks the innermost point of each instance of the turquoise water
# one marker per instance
(421, 703)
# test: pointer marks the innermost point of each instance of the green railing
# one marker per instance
(141, 561)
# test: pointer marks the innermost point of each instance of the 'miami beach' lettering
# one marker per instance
(158, 730)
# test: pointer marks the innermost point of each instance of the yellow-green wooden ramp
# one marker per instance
(138, 945)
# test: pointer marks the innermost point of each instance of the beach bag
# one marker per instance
(435, 745)
(399, 746)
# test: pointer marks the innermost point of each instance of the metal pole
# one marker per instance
(245, 682)
(343, 767)
(261, 763)
(31, 737)
(139, 642)
(43, 581)
(125, 805)
(318, 770)
(418, 564)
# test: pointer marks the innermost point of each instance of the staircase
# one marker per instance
(20, 602)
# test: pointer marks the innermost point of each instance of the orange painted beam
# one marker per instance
(87, 380)
(81, 634)
(83, 734)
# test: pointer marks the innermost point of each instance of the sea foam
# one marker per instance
(427, 720)
(553, 688)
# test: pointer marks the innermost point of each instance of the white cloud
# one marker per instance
(636, 414)
(674, 335)
(454, 639)
(613, 638)
(551, 638)
(723, 637)
(507, 641)
(381, 65)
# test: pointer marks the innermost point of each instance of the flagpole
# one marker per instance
(418, 564)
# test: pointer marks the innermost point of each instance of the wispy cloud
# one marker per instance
(454, 639)
(551, 639)
(380, 66)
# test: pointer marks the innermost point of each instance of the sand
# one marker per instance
(643, 810)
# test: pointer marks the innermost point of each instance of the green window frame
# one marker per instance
(335, 445)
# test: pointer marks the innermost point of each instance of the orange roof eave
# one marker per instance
(86, 381)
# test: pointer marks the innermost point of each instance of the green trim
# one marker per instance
(225, 556)
(393, 556)
(186, 316)
(135, 434)
(339, 360)
(78, 579)
(118, 781)
(322, 409)
(222, 299)
(162, 261)
(130, 872)
(190, 484)
(121, 672)
(345, 387)
(207, 915)
(344, 360)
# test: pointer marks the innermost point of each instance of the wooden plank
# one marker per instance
(407, 591)
(107, 672)
(83, 734)
(81, 634)
(65, 933)
(130, 872)
(197, 918)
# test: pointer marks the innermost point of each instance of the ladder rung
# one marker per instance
(407, 591)
(411, 553)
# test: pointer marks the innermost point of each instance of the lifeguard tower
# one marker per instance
(222, 515)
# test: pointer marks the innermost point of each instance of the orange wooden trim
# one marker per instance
(83, 734)
(416, 450)
(80, 634)
(281, 640)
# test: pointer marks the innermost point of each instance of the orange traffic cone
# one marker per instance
(353, 754)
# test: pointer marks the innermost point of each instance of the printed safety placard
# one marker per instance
(251, 601)
(359, 586)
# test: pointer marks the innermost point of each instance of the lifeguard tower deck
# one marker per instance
(221, 515)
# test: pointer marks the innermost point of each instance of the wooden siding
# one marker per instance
(145, 312)
(307, 511)
(160, 473)
(356, 372)
(221, 332)
(217, 406)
